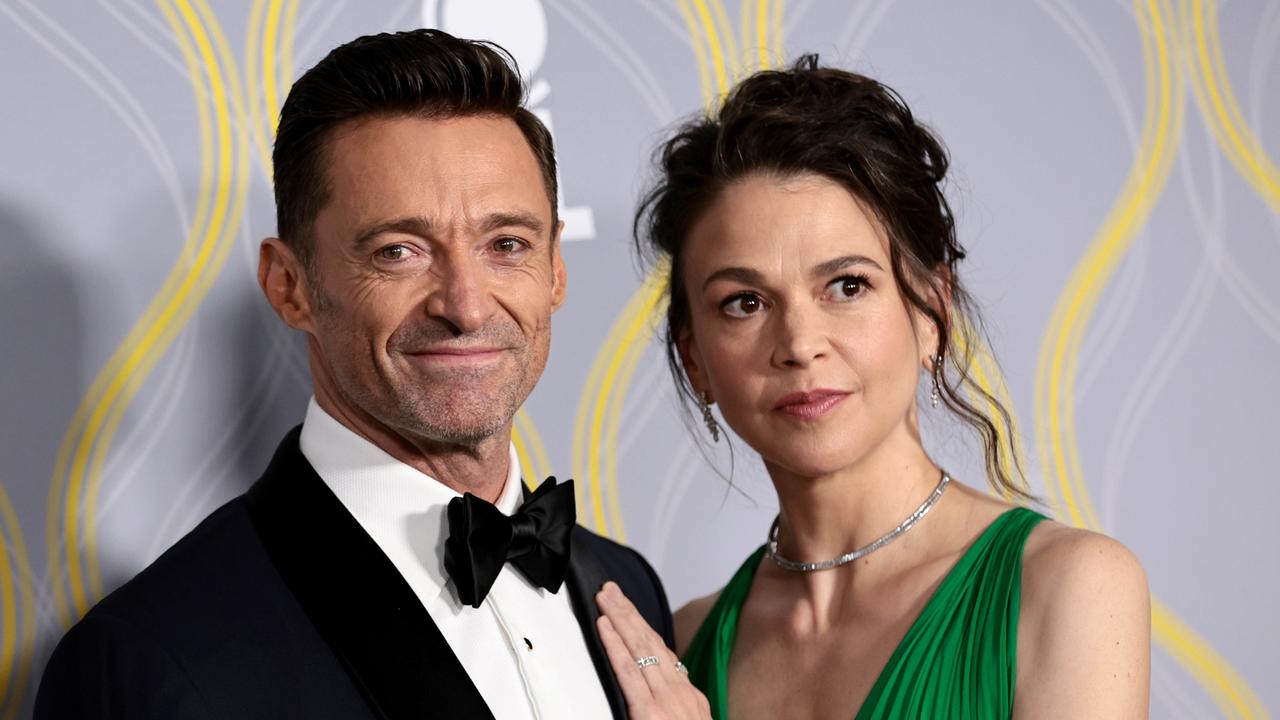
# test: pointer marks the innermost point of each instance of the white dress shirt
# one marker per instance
(523, 647)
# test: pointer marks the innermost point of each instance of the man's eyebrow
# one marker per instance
(515, 218)
(418, 226)
(843, 262)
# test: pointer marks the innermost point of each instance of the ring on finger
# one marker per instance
(646, 661)
(680, 668)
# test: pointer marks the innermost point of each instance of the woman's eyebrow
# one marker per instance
(746, 276)
(843, 262)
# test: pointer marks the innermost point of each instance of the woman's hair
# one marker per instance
(859, 133)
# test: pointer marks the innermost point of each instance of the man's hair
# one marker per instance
(418, 73)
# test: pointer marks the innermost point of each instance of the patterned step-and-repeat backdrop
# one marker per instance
(1115, 176)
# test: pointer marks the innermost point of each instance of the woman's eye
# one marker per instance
(742, 305)
(847, 287)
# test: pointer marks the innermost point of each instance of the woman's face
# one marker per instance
(797, 329)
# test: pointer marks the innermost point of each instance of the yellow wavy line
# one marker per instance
(289, 35)
(252, 89)
(630, 351)
(621, 336)
(779, 49)
(9, 645)
(699, 54)
(1230, 691)
(713, 42)
(92, 397)
(1056, 371)
(605, 392)
(1075, 305)
(582, 467)
(986, 373)
(1217, 100)
(220, 237)
(270, 74)
(228, 236)
(762, 33)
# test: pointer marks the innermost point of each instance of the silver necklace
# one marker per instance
(915, 517)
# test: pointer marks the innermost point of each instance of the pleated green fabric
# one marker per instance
(958, 659)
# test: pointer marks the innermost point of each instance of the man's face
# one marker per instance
(437, 271)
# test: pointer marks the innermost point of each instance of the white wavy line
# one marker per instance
(183, 513)
(1173, 694)
(1124, 291)
(158, 27)
(667, 18)
(861, 24)
(171, 59)
(673, 485)
(399, 18)
(638, 417)
(1180, 326)
(138, 122)
(317, 34)
(619, 52)
(793, 14)
(1266, 42)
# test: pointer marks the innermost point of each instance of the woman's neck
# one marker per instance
(827, 516)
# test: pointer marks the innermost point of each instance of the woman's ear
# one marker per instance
(937, 292)
(694, 368)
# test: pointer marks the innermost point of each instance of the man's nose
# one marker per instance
(799, 337)
(461, 295)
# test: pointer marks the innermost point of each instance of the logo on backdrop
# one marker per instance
(520, 26)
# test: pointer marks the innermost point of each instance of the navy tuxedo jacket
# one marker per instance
(279, 605)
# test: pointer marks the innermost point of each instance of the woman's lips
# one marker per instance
(809, 405)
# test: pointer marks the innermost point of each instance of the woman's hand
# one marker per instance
(658, 691)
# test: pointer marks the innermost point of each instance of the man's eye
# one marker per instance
(742, 305)
(507, 245)
(393, 252)
(846, 287)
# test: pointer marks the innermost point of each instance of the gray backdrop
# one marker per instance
(1116, 185)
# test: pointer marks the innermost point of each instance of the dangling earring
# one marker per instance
(936, 395)
(713, 427)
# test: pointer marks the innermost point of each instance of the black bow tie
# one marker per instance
(535, 539)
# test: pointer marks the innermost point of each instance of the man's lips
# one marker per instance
(811, 404)
(457, 355)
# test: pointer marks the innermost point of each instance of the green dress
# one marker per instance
(958, 659)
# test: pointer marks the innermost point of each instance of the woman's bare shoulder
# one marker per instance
(689, 618)
(1084, 632)
(1061, 562)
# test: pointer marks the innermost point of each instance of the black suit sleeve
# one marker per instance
(105, 668)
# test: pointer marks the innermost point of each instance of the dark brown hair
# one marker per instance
(859, 133)
(420, 73)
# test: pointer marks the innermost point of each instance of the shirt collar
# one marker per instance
(401, 508)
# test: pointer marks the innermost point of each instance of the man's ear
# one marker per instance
(284, 283)
(560, 279)
(694, 369)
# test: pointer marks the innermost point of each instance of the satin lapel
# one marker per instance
(356, 598)
(585, 579)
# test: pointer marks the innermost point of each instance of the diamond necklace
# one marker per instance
(915, 517)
